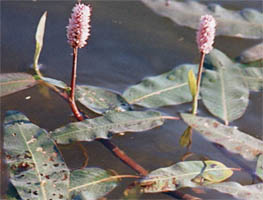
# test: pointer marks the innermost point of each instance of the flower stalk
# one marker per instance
(205, 39)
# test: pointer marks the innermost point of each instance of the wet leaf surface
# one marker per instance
(246, 23)
(101, 100)
(247, 192)
(15, 82)
(35, 166)
(185, 174)
(170, 88)
(55, 82)
(110, 123)
(91, 183)
(231, 138)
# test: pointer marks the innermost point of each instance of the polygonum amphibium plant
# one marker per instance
(36, 165)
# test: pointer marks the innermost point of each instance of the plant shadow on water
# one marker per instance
(128, 42)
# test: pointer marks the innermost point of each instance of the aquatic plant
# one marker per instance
(36, 165)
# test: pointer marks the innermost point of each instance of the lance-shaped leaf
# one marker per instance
(101, 100)
(103, 127)
(14, 82)
(246, 23)
(91, 183)
(247, 192)
(185, 174)
(39, 41)
(35, 166)
(224, 93)
(55, 82)
(230, 137)
(170, 88)
(252, 54)
(259, 169)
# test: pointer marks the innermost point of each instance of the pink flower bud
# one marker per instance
(206, 33)
(78, 29)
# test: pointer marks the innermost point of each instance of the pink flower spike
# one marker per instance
(206, 33)
(78, 30)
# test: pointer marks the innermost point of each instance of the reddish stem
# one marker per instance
(72, 102)
(199, 75)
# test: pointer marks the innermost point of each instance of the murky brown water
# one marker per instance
(128, 42)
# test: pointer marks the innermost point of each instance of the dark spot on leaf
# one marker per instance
(47, 176)
(28, 183)
(56, 165)
(215, 125)
(13, 134)
(51, 158)
(60, 196)
(18, 155)
(29, 191)
(35, 193)
(8, 157)
(65, 177)
(41, 174)
(45, 165)
(54, 194)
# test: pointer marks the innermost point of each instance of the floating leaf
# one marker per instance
(186, 137)
(170, 88)
(230, 137)
(55, 82)
(35, 166)
(254, 78)
(238, 191)
(91, 183)
(14, 82)
(101, 100)
(246, 23)
(259, 169)
(252, 54)
(39, 41)
(224, 93)
(112, 122)
(185, 174)
(192, 82)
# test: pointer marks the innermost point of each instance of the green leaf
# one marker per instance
(247, 192)
(14, 82)
(230, 137)
(101, 100)
(103, 127)
(170, 88)
(192, 82)
(253, 77)
(39, 41)
(185, 174)
(246, 23)
(186, 137)
(224, 93)
(35, 166)
(259, 169)
(91, 183)
(252, 54)
(55, 82)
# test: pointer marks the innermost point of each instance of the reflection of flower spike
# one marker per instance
(78, 29)
(206, 33)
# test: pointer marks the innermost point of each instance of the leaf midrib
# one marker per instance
(107, 125)
(138, 99)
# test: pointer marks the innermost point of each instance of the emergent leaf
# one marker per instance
(55, 82)
(35, 166)
(254, 78)
(101, 100)
(103, 127)
(185, 174)
(91, 183)
(224, 93)
(14, 82)
(247, 192)
(170, 88)
(230, 137)
(246, 23)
